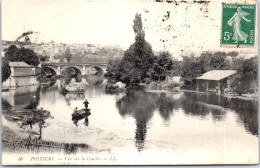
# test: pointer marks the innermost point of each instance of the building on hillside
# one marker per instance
(215, 80)
(22, 74)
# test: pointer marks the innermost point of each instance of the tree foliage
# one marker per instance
(137, 60)
(162, 66)
(193, 67)
(14, 54)
(43, 57)
(6, 70)
(245, 81)
(67, 54)
(113, 71)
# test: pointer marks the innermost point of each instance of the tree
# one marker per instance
(11, 54)
(176, 68)
(14, 54)
(28, 56)
(205, 59)
(6, 70)
(162, 66)
(191, 69)
(67, 54)
(43, 57)
(218, 61)
(245, 81)
(138, 58)
(113, 71)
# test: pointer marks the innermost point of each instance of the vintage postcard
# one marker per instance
(164, 82)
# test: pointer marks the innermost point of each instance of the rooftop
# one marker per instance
(216, 75)
(19, 64)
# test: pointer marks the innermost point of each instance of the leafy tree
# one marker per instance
(176, 68)
(28, 56)
(59, 57)
(11, 54)
(67, 54)
(191, 68)
(137, 60)
(245, 81)
(218, 61)
(14, 54)
(6, 70)
(139, 57)
(43, 57)
(162, 66)
(232, 54)
(113, 71)
(205, 60)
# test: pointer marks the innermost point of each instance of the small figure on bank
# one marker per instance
(41, 123)
(27, 121)
(40, 111)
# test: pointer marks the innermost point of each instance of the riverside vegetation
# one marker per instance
(140, 66)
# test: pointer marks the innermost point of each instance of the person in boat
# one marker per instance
(86, 103)
(75, 111)
(87, 110)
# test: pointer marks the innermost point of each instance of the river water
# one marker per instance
(164, 127)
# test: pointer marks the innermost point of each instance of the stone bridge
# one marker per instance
(83, 68)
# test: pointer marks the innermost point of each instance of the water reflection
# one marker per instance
(35, 102)
(22, 96)
(151, 114)
(203, 104)
(167, 105)
(141, 105)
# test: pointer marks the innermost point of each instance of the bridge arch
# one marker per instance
(73, 72)
(66, 69)
(96, 70)
(48, 71)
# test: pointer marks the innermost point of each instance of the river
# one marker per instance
(170, 127)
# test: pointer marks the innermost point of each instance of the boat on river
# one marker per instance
(81, 113)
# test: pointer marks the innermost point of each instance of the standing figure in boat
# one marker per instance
(80, 114)
(86, 104)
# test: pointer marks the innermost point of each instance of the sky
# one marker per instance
(190, 27)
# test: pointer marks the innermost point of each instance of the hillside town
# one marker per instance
(81, 52)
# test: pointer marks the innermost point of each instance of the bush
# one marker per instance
(14, 54)
(6, 70)
(172, 85)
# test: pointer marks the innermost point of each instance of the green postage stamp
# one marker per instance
(238, 25)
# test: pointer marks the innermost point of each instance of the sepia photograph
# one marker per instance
(137, 82)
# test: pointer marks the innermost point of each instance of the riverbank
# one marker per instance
(230, 96)
(171, 87)
(12, 141)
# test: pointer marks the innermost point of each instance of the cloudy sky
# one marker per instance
(187, 27)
